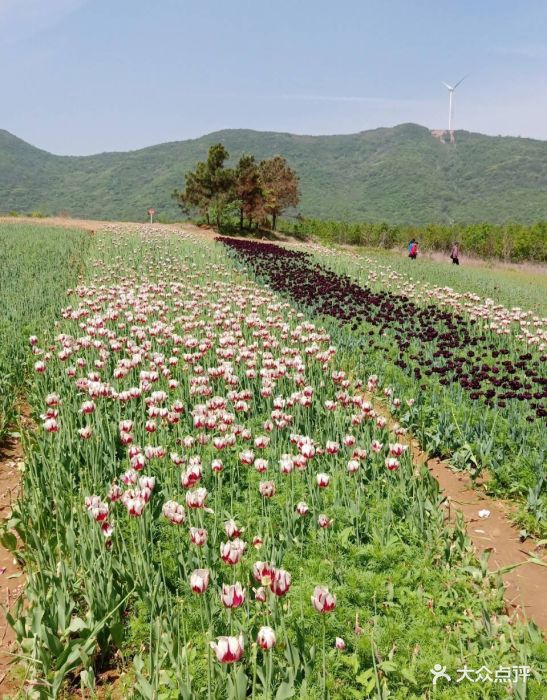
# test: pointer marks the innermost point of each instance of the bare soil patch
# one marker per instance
(11, 577)
(525, 585)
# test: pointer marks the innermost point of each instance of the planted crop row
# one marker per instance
(479, 395)
(38, 264)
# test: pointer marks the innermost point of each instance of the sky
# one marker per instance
(86, 76)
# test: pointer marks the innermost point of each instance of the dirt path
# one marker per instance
(526, 585)
(11, 576)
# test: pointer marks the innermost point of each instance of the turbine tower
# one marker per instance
(451, 89)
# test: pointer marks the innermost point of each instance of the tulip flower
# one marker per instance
(266, 638)
(246, 457)
(397, 449)
(228, 649)
(340, 643)
(353, 466)
(107, 529)
(232, 551)
(196, 499)
(263, 572)
(232, 596)
(53, 400)
(261, 465)
(174, 512)
(232, 530)
(260, 594)
(267, 489)
(198, 536)
(324, 521)
(199, 580)
(286, 464)
(51, 425)
(322, 600)
(96, 508)
(307, 449)
(135, 506)
(392, 463)
(302, 508)
(281, 582)
(217, 465)
(322, 480)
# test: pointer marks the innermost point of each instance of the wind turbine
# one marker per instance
(451, 89)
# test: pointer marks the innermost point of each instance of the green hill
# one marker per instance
(401, 174)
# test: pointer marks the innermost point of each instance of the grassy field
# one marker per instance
(204, 459)
(39, 263)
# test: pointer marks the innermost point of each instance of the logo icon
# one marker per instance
(439, 671)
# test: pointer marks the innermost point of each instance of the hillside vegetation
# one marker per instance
(400, 175)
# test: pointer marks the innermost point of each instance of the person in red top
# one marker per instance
(413, 250)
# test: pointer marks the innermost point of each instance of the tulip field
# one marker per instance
(214, 505)
(474, 369)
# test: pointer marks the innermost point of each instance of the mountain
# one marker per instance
(400, 175)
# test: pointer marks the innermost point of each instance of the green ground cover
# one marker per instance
(39, 264)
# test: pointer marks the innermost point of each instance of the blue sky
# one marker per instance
(85, 76)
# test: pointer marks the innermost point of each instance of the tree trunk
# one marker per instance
(241, 219)
(274, 220)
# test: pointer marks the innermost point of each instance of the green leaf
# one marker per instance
(409, 676)
(77, 625)
(241, 683)
(9, 541)
(388, 666)
(284, 691)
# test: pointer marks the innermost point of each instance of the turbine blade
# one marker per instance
(461, 81)
(447, 85)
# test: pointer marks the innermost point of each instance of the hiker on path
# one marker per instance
(455, 253)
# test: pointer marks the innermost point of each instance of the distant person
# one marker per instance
(413, 249)
(455, 253)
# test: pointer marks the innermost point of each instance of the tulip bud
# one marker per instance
(266, 638)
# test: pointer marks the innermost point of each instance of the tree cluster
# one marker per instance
(256, 192)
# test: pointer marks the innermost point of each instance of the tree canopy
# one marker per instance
(255, 191)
